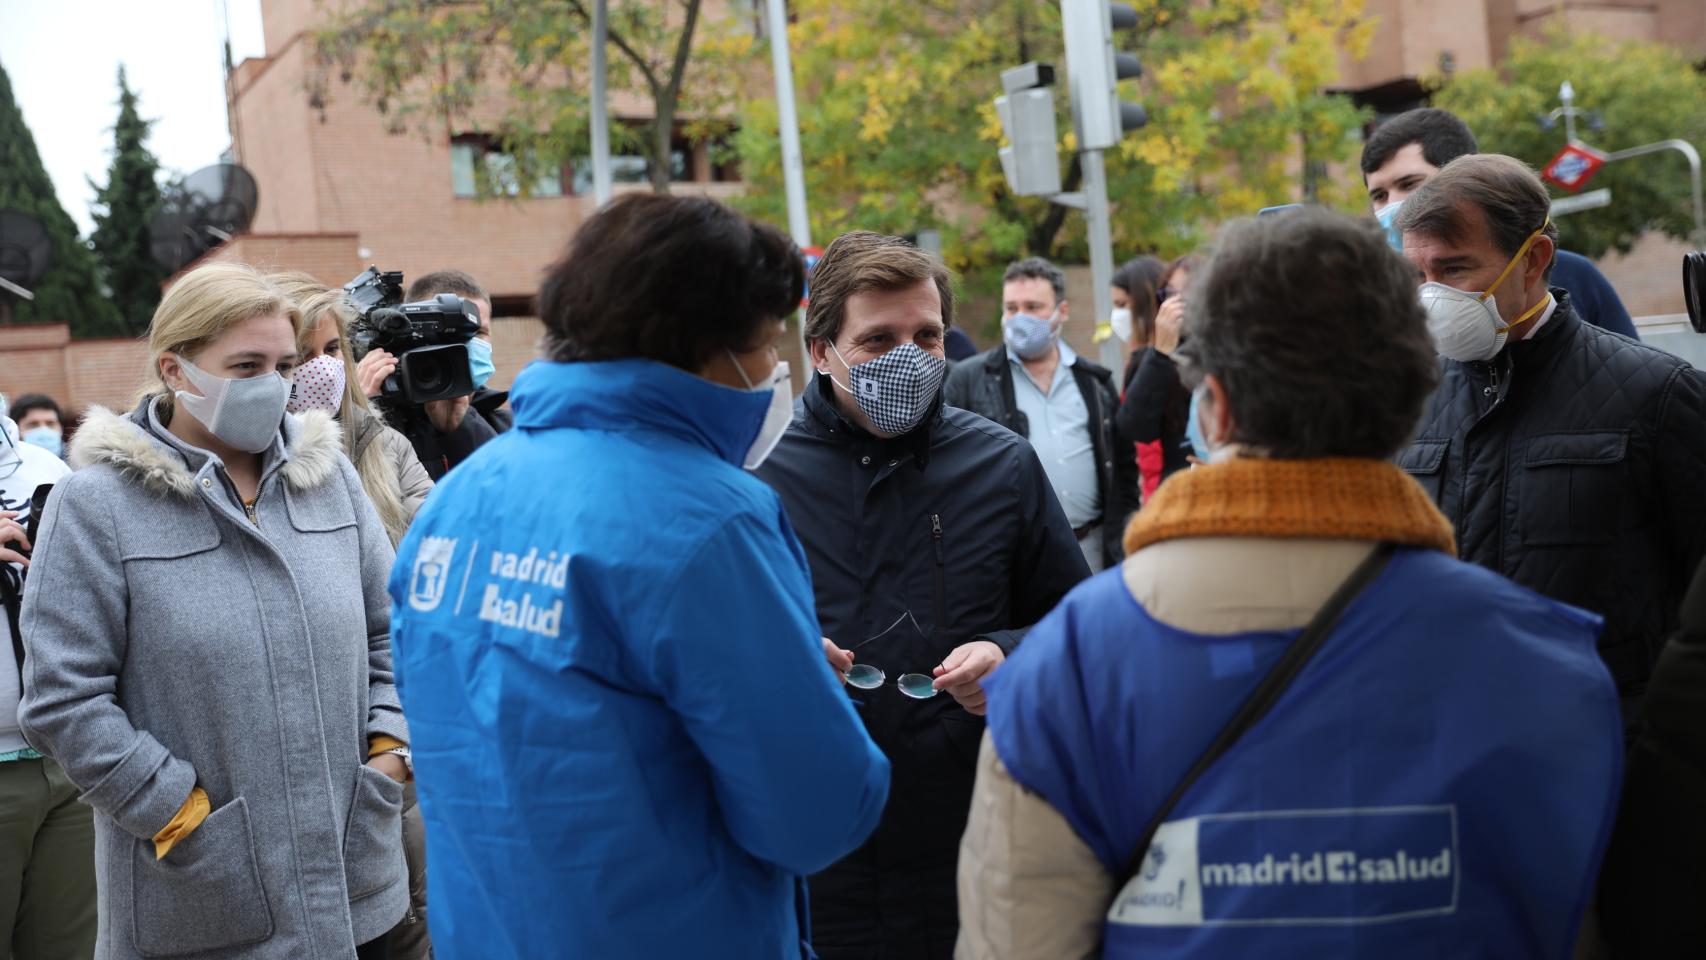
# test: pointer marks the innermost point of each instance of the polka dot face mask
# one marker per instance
(319, 385)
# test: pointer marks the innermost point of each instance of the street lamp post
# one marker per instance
(793, 166)
(601, 179)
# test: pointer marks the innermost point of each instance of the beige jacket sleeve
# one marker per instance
(413, 483)
(1029, 887)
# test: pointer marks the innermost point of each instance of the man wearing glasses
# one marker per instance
(935, 540)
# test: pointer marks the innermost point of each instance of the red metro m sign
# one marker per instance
(1573, 167)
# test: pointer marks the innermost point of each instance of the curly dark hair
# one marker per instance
(1311, 323)
(672, 279)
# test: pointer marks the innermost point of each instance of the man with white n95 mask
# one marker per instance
(1569, 459)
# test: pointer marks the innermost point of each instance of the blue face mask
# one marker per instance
(1388, 217)
(46, 438)
(1030, 337)
(480, 361)
(1193, 430)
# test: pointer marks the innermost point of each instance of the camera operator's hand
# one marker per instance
(371, 372)
(446, 415)
(13, 539)
(1168, 323)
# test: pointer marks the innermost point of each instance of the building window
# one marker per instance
(480, 167)
(629, 168)
(711, 160)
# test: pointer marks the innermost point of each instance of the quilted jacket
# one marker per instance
(1574, 463)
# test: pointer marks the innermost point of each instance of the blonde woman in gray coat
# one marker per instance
(207, 652)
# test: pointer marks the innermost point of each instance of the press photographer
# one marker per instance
(426, 362)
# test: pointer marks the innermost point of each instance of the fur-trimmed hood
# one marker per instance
(313, 444)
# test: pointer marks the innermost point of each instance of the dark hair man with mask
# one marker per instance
(1035, 385)
(1570, 460)
(935, 541)
(450, 434)
(1406, 150)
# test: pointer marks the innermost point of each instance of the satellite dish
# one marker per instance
(25, 253)
(211, 206)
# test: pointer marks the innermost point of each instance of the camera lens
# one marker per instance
(431, 376)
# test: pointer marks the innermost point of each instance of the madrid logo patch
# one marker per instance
(431, 573)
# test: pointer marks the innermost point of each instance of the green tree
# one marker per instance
(123, 209)
(1640, 92)
(521, 68)
(899, 130)
(68, 293)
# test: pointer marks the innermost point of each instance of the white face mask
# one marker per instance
(319, 385)
(1121, 321)
(776, 417)
(1466, 325)
(243, 413)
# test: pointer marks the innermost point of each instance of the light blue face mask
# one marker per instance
(480, 365)
(1030, 337)
(1193, 430)
(46, 438)
(1388, 217)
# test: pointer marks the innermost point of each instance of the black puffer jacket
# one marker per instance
(984, 385)
(955, 523)
(1575, 464)
(1654, 880)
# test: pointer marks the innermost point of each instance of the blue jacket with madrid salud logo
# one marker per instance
(1438, 781)
(627, 741)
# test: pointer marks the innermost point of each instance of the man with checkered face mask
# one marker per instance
(935, 541)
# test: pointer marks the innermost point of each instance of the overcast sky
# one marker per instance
(63, 58)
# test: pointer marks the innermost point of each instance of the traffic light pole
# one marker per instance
(1100, 236)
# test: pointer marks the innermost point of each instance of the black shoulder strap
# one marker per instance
(1262, 699)
(12, 581)
(12, 599)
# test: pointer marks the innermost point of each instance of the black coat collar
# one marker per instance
(1555, 336)
(824, 419)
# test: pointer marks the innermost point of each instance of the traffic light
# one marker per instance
(1030, 161)
(1094, 69)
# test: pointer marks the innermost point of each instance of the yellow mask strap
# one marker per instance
(1521, 252)
(1519, 321)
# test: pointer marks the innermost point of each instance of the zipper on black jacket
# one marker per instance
(941, 586)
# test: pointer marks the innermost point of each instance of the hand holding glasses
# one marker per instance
(918, 686)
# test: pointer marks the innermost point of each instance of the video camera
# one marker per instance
(1694, 288)
(429, 338)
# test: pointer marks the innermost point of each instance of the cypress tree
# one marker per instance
(69, 292)
(122, 212)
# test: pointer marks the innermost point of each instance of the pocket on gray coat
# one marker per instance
(206, 894)
(373, 840)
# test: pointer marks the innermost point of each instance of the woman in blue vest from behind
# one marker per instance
(1439, 778)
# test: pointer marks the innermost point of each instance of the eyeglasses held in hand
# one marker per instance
(867, 677)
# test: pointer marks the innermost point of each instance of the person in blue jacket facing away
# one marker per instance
(1439, 779)
(627, 740)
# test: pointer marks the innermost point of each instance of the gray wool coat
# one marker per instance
(172, 643)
